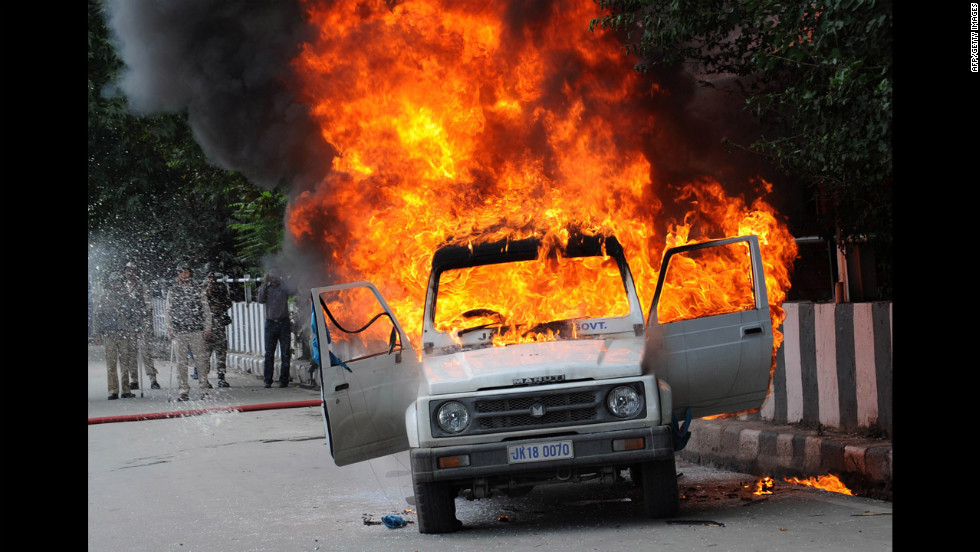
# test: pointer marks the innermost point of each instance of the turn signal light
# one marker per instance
(636, 443)
(460, 461)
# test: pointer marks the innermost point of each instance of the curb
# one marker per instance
(759, 448)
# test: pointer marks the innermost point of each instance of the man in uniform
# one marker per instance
(188, 319)
(144, 319)
(113, 321)
(219, 301)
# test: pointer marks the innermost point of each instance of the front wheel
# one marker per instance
(435, 506)
(658, 479)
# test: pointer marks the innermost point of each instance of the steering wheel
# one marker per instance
(543, 327)
(488, 313)
(481, 313)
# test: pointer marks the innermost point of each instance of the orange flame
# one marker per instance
(828, 482)
(764, 486)
(453, 125)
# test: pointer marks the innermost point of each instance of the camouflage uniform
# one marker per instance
(189, 323)
(115, 323)
(219, 301)
(136, 288)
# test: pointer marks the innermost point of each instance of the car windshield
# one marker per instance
(531, 300)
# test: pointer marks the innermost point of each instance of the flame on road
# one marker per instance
(829, 482)
(764, 486)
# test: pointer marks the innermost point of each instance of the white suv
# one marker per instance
(499, 401)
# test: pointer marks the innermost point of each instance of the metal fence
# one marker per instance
(247, 331)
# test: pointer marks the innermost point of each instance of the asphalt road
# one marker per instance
(263, 480)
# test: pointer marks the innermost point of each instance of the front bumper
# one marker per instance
(591, 450)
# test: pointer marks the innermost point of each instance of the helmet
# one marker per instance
(183, 265)
(131, 264)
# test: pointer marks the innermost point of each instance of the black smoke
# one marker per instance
(227, 64)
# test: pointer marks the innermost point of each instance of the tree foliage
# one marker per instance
(153, 197)
(256, 237)
(818, 75)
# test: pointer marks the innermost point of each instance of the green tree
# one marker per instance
(251, 221)
(818, 76)
(153, 197)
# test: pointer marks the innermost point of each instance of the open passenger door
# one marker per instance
(369, 372)
(709, 334)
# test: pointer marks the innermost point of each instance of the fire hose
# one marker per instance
(199, 411)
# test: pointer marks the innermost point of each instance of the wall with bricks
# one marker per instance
(834, 367)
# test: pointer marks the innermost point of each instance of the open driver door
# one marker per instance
(369, 372)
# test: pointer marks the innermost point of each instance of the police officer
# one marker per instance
(144, 320)
(114, 325)
(188, 318)
(219, 301)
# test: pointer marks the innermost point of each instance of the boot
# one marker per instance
(154, 385)
(221, 381)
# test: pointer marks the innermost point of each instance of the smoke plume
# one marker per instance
(227, 63)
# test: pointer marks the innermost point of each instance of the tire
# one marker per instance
(435, 507)
(658, 479)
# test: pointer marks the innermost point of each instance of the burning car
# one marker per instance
(502, 399)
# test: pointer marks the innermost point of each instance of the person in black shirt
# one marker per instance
(275, 293)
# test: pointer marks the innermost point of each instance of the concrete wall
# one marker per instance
(834, 367)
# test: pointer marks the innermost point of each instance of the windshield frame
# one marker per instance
(506, 251)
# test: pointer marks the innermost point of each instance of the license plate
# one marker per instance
(539, 452)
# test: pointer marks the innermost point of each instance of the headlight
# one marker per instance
(624, 401)
(453, 417)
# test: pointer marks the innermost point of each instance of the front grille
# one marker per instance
(526, 401)
(514, 412)
(533, 410)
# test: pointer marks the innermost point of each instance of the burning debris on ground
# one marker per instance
(755, 491)
(829, 482)
(764, 486)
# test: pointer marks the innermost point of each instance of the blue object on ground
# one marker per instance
(393, 522)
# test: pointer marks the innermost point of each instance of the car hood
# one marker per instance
(495, 367)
